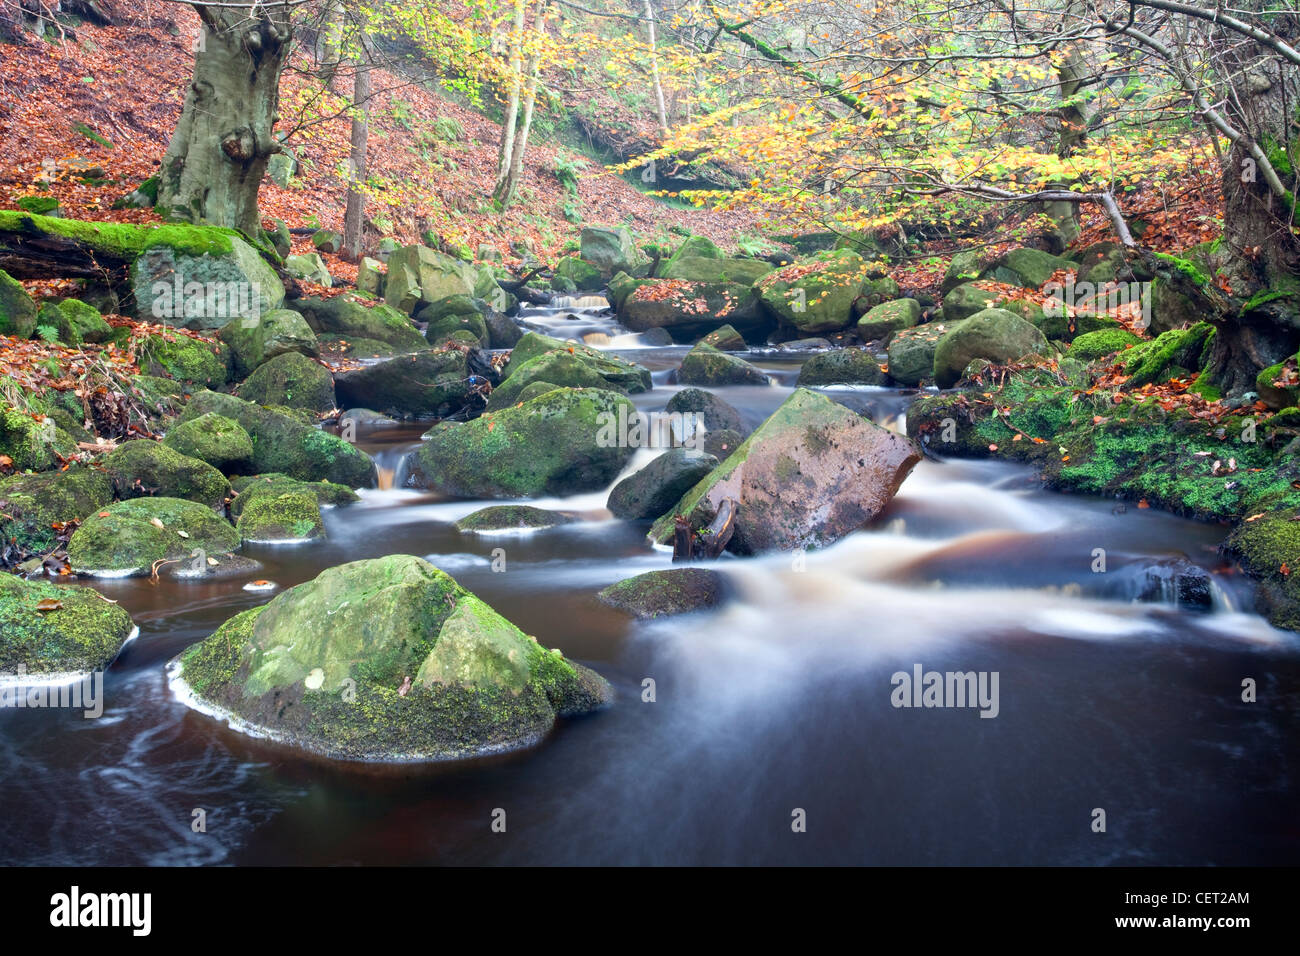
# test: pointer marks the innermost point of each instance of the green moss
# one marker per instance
(1186, 267)
(185, 359)
(38, 205)
(1095, 345)
(257, 486)
(1176, 349)
(32, 505)
(124, 538)
(84, 633)
(292, 516)
(124, 241)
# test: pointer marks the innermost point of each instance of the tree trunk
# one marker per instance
(354, 214)
(654, 70)
(505, 154)
(217, 157)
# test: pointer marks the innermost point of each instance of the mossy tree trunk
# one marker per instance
(218, 153)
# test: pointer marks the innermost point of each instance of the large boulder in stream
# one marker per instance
(291, 380)
(384, 660)
(562, 442)
(689, 310)
(127, 538)
(350, 316)
(286, 444)
(49, 630)
(215, 439)
(994, 334)
(652, 490)
(817, 295)
(705, 365)
(142, 468)
(540, 358)
(429, 384)
(808, 476)
(841, 367)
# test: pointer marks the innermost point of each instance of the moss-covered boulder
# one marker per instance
(252, 487)
(911, 352)
(221, 442)
(689, 310)
(430, 384)
(283, 443)
(621, 286)
(609, 250)
(817, 295)
(127, 538)
(964, 267)
(1178, 353)
(457, 314)
(841, 367)
(510, 518)
(293, 516)
(32, 507)
(710, 269)
(253, 342)
(418, 275)
(1279, 385)
(710, 367)
(350, 317)
(191, 361)
(697, 405)
(963, 301)
(76, 322)
(384, 660)
(889, 317)
(1268, 549)
(201, 278)
(581, 368)
(49, 630)
(994, 334)
(32, 442)
(812, 473)
(292, 380)
(17, 308)
(584, 276)
(1027, 268)
(1094, 345)
(310, 268)
(726, 339)
(142, 468)
(662, 593)
(565, 441)
(654, 489)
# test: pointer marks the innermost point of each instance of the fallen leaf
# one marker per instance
(49, 604)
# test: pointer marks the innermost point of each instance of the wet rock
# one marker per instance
(662, 593)
(278, 518)
(144, 468)
(388, 659)
(562, 442)
(1179, 582)
(127, 538)
(350, 316)
(249, 489)
(215, 439)
(815, 296)
(32, 505)
(841, 367)
(809, 475)
(510, 518)
(726, 339)
(911, 352)
(712, 411)
(705, 365)
(429, 384)
(654, 489)
(503, 331)
(805, 345)
(50, 630)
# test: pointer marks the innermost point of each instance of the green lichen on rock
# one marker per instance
(383, 660)
(251, 488)
(510, 518)
(291, 516)
(818, 295)
(283, 443)
(32, 505)
(562, 442)
(143, 467)
(1268, 549)
(889, 317)
(253, 342)
(188, 360)
(1094, 345)
(82, 633)
(706, 366)
(841, 367)
(292, 380)
(662, 593)
(581, 368)
(32, 444)
(215, 439)
(127, 538)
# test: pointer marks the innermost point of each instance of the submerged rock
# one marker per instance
(510, 518)
(561, 442)
(809, 475)
(127, 538)
(384, 660)
(50, 630)
(661, 593)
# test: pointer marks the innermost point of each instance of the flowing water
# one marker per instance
(779, 702)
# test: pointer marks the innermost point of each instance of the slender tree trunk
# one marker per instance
(330, 44)
(660, 107)
(515, 84)
(354, 214)
(217, 157)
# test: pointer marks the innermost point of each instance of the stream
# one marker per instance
(1111, 695)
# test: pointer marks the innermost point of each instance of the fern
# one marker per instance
(48, 333)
